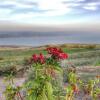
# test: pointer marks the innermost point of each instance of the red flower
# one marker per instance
(63, 56)
(51, 50)
(38, 58)
(41, 58)
(57, 53)
(35, 57)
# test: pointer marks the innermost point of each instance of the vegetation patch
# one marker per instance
(50, 81)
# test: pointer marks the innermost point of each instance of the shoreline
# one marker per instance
(23, 47)
(13, 47)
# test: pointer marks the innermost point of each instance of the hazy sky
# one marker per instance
(64, 13)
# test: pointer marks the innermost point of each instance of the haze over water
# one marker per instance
(34, 39)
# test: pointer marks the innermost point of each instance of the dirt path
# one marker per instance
(18, 81)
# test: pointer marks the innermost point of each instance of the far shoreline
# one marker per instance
(23, 47)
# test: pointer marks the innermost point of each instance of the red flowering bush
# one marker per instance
(45, 73)
(56, 54)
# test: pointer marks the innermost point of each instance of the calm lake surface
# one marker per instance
(34, 39)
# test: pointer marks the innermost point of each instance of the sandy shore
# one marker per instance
(69, 45)
(15, 47)
(11, 47)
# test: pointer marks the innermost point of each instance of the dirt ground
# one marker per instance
(19, 81)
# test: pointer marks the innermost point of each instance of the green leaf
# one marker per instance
(49, 90)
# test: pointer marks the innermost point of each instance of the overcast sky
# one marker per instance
(57, 14)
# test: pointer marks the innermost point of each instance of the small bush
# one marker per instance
(1, 58)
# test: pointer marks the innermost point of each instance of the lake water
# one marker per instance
(38, 40)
